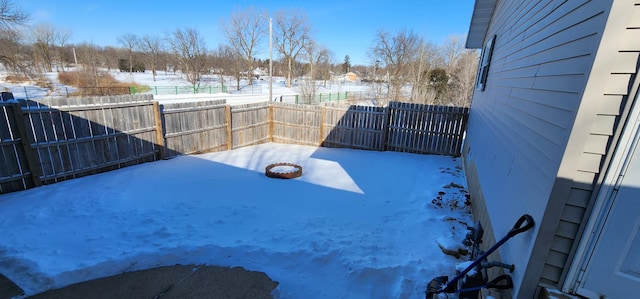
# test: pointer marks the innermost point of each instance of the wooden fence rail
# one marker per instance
(194, 127)
(359, 127)
(249, 124)
(426, 129)
(49, 141)
(74, 137)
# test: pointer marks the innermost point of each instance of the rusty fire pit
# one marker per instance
(283, 170)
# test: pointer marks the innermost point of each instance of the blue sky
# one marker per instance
(345, 27)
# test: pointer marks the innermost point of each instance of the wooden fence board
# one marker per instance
(194, 127)
(249, 124)
(18, 159)
(12, 174)
(299, 124)
(76, 137)
(426, 129)
(360, 127)
(73, 137)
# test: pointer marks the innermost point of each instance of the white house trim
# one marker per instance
(605, 199)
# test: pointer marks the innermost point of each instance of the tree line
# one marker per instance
(404, 66)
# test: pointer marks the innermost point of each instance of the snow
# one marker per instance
(464, 265)
(356, 224)
(28, 90)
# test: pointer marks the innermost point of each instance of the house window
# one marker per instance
(485, 61)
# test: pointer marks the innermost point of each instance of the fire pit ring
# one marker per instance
(283, 175)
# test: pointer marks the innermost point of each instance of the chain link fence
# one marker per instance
(65, 91)
(167, 90)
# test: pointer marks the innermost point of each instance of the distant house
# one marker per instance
(260, 72)
(351, 76)
(553, 132)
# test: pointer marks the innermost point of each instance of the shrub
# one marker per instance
(123, 65)
(100, 84)
(16, 79)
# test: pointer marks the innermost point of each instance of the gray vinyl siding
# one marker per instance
(621, 65)
(520, 125)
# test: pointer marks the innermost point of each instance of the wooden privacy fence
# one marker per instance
(53, 140)
(195, 127)
(404, 127)
(426, 129)
(46, 142)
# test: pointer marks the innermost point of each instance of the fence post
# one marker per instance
(322, 116)
(159, 130)
(176, 89)
(385, 127)
(227, 116)
(270, 122)
(32, 161)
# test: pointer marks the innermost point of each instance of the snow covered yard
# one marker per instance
(356, 224)
(28, 90)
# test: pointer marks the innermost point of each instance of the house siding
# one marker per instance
(520, 126)
(616, 65)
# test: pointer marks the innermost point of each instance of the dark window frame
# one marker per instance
(485, 62)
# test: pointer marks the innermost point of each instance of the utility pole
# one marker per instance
(75, 58)
(270, 60)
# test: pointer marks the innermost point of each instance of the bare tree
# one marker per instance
(190, 49)
(319, 60)
(396, 52)
(11, 50)
(43, 46)
(291, 33)
(325, 63)
(90, 58)
(231, 63)
(152, 47)
(421, 90)
(308, 90)
(463, 78)
(60, 39)
(452, 48)
(312, 54)
(48, 44)
(111, 55)
(220, 63)
(244, 31)
(130, 41)
(10, 16)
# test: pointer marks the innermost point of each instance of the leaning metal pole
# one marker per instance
(270, 60)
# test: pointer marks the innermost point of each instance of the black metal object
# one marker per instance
(6, 96)
(502, 282)
(470, 287)
(441, 284)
